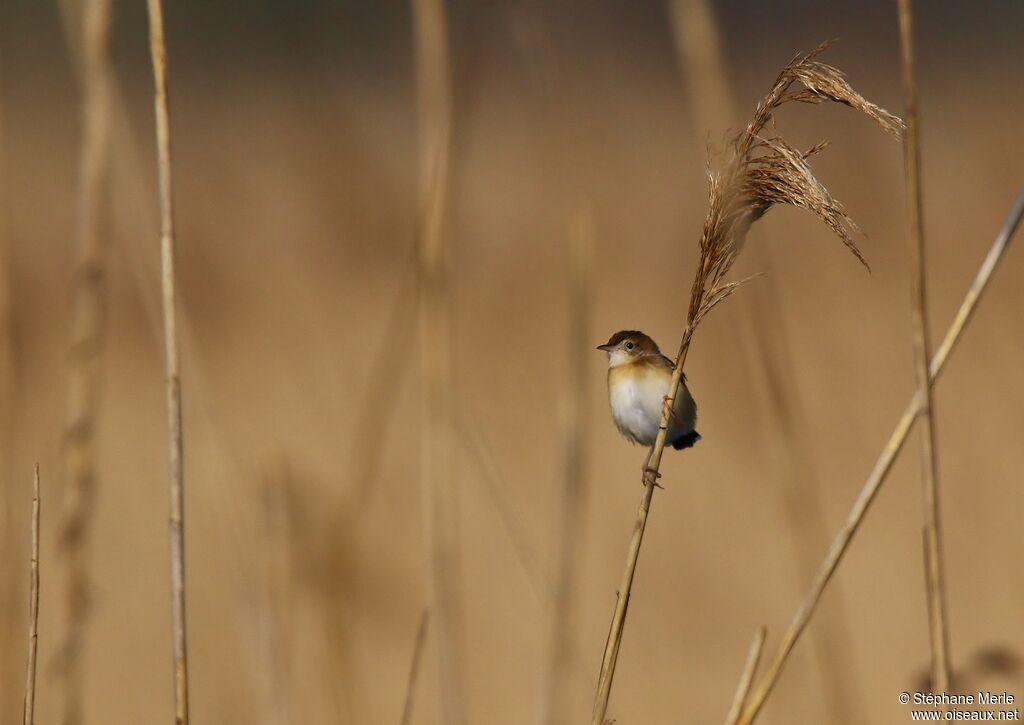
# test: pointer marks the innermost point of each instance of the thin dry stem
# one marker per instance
(560, 649)
(747, 676)
(473, 442)
(938, 627)
(158, 51)
(433, 84)
(883, 465)
(409, 701)
(29, 708)
(757, 173)
(802, 496)
(86, 343)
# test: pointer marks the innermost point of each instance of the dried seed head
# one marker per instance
(759, 171)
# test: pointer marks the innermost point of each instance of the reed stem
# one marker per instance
(434, 99)
(29, 707)
(938, 625)
(158, 52)
(747, 677)
(88, 332)
(883, 465)
(409, 700)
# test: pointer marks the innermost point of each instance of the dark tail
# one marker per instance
(686, 440)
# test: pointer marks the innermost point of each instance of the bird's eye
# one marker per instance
(629, 346)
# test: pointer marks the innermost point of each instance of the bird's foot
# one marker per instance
(651, 476)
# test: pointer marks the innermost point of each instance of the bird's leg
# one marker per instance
(649, 474)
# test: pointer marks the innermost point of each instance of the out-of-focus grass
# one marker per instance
(296, 214)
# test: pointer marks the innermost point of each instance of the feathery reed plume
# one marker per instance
(29, 708)
(574, 420)
(747, 676)
(434, 110)
(414, 668)
(758, 172)
(158, 51)
(87, 339)
(934, 576)
(884, 464)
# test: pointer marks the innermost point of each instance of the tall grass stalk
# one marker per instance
(884, 464)
(938, 623)
(409, 701)
(87, 340)
(574, 435)
(703, 64)
(747, 676)
(9, 575)
(434, 111)
(29, 706)
(758, 172)
(158, 52)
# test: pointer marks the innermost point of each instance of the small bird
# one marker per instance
(638, 381)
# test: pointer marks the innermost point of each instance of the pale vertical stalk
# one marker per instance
(158, 51)
(274, 617)
(9, 575)
(409, 701)
(434, 109)
(574, 436)
(882, 467)
(938, 626)
(87, 335)
(29, 707)
(702, 62)
(747, 676)
(614, 642)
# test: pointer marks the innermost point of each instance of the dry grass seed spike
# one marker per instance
(757, 172)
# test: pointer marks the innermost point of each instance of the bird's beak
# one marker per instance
(606, 348)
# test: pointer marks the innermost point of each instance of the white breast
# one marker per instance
(636, 405)
(636, 408)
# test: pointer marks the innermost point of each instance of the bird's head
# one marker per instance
(627, 346)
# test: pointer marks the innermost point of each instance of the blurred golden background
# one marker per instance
(295, 161)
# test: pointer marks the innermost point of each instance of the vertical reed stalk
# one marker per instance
(747, 677)
(574, 436)
(409, 701)
(87, 337)
(158, 51)
(29, 708)
(703, 64)
(938, 625)
(434, 109)
(884, 464)
(10, 575)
